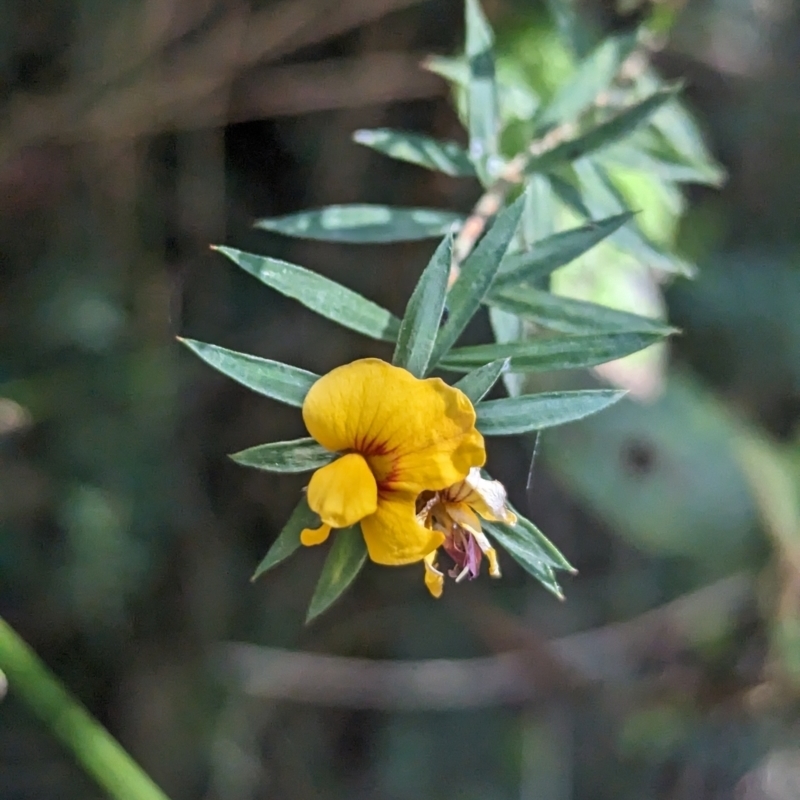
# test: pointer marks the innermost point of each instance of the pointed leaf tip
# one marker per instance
(556, 352)
(476, 277)
(526, 549)
(533, 412)
(483, 104)
(297, 455)
(363, 224)
(565, 315)
(288, 540)
(604, 134)
(477, 383)
(273, 379)
(557, 250)
(593, 76)
(345, 559)
(321, 295)
(420, 325)
(413, 148)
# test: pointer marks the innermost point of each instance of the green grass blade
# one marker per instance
(322, 295)
(534, 412)
(273, 379)
(363, 224)
(99, 754)
(298, 455)
(345, 560)
(420, 325)
(414, 148)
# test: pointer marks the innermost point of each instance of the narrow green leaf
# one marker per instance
(569, 195)
(547, 255)
(479, 33)
(364, 224)
(534, 412)
(602, 198)
(683, 134)
(526, 551)
(345, 559)
(602, 135)
(523, 529)
(508, 328)
(447, 157)
(298, 455)
(482, 96)
(678, 126)
(592, 77)
(565, 315)
(289, 538)
(453, 70)
(322, 295)
(526, 535)
(271, 378)
(663, 163)
(477, 383)
(539, 216)
(551, 353)
(476, 276)
(572, 29)
(423, 315)
(529, 531)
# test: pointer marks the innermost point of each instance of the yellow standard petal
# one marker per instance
(344, 491)
(393, 534)
(415, 434)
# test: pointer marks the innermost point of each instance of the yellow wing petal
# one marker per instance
(344, 491)
(311, 536)
(393, 535)
(434, 578)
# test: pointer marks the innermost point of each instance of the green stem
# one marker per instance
(97, 751)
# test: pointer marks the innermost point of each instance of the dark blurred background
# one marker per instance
(135, 133)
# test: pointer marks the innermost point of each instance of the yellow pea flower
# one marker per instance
(400, 436)
(455, 512)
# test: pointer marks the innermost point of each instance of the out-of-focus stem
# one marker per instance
(93, 746)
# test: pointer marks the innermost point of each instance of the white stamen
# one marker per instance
(463, 574)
